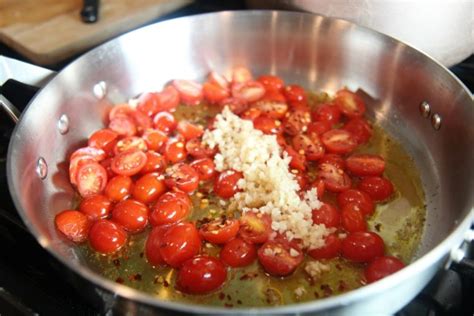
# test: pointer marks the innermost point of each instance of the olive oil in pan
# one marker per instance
(399, 221)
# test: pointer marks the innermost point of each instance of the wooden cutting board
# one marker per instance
(49, 31)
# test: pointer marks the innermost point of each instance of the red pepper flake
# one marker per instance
(326, 290)
(239, 302)
(316, 294)
(221, 296)
(116, 262)
(229, 298)
(119, 280)
(249, 276)
(137, 277)
(342, 286)
(338, 266)
(228, 305)
(165, 283)
(141, 254)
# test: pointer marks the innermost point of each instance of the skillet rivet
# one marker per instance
(63, 124)
(41, 168)
(100, 89)
(425, 109)
(436, 121)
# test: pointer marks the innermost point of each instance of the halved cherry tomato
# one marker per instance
(165, 122)
(248, 91)
(152, 245)
(273, 104)
(123, 109)
(362, 199)
(327, 215)
(190, 91)
(148, 103)
(238, 253)
(131, 215)
(350, 103)
(131, 143)
(96, 206)
(91, 179)
(175, 151)
(104, 139)
(267, 125)
(189, 130)
(200, 275)
(170, 208)
(335, 179)
(362, 246)
(301, 178)
(295, 94)
(255, 228)
(318, 127)
(279, 258)
(183, 177)
(107, 164)
(381, 267)
(73, 224)
(180, 243)
(331, 249)
(154, 139)
(333, 159)
(338, 141)
(107, 237)
(218, 80)
(214, 93)
(198, 149)
(241, 74)
(236, 105)
(142, 121)
(168, 99)
(297, 161)
(310, 147)
(129, 163)
(360, 130)
(75, 164)
(123, 125)
(250, 114)
(149, 188)
(220, 230)
(205, 168)
(352, 218)
(320, 187)
(365, 165)
(296, 122)
(379, 188)
(271, 82)
(95, 153)
(225, 185)
(154, 162)
(119, 188)
(327, 112)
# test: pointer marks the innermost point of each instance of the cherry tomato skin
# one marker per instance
(117, 110)
(248, 91)
(107, 237)
(335, 179)
(129, 163)
(154, 163)
(360, 130)
(131, 143)
(362, 246)
(218, 80)
(296, 122)
(123, 125)
(318, 127)
(119, 188)
(195, 148)
(266, 124)
(327, 215)
(142, 121)
(331, 249)
(73, 224)
(349, 103)
(96, 206)
(220, 231)
(214, 93)
(297, 161)
(148, 188)
(272, 104)
(236, 105)
(238, 253)
(183, 177)
(294, 94)
(255, 228)
(328, 113)
(201, 275)
(148, 103)
(365, 165)
(225, 185)
(168, 99)
(170, 208)
(205, 168)
(104, 139)
(381, 267)
(379, 188)
(271, 82)
(302, 179)
(154, 139)
(189, 130)
(165, 122)
(362, 199)
(320, 187)
(75, 164)
(313, 150)
(189, 91)
(175, 151)
(152, 245)
(333, 159)
(279, 259)
(131, 215)
(180, 243)
(91, 179)
(338, 141)
(352, 218)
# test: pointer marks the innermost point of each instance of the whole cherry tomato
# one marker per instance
(131, 215)
(73, 224)
(200, 275)
(362, 246)
(238, 253)
(180, 243)
(107, 237)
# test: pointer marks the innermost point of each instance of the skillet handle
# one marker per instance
(462, 257)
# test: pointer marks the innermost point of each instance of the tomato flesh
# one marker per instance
(91, 179)
(365, 165)
(326, 215)
(225, 185)
(278, 258)
(255, 228)
(220, 231)
(129, 163)
(205, 168)
(73, 224)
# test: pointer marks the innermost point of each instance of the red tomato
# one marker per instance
(148, 188)
(89, 152)
(350, 103)
(131, 215)
(318, 127)
(148, 103)
(333, 159)
(175, 151)
(360, 130)
(241, 74)
(270, 108)
(298, 161)
(236, 105)
(296, 123)
(335, 179)
(352, 218)
(180, 243)
(267, 125)
(327, 112)
(75, 164)
(220, 230)
(250, 114)
(189, 130)
(248, 91)
(170, 208)
(379, 189)
(218, 80)
(279, 258)
(189, 91)
(183, 177)
(225, 185)
(104, 139)
(310, 147)
(214, 93)
(255, 228)
(294, 94)
(200, 275)
(123, 125)
(129, 163)
(363, 246)
(205, 168)
(271, 82)
(381, 267)
(96, 206)
(302, 179)
(91, 179)
(107, 164)
(238, 253)
(152, 245)
(197, 149)
(154, 162)
(327, 215)
(73, 224)
(331, 249)
(339, 141)
(320, 187)
(360, 198)
(142, 121)
(107, 237)
(168, 99)
(154, 139)
(131, 143)
(165, 122)
(119, 188)
(365, 165)
(117, 110)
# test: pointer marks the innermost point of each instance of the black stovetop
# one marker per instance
(30, 280)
